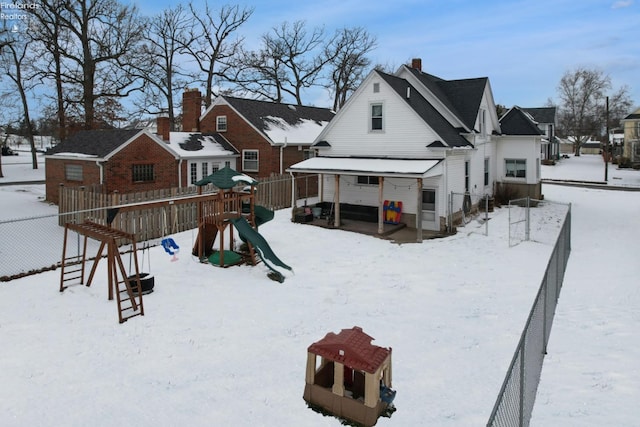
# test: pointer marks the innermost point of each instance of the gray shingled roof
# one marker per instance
(542, 114)
(518, 122)
(257, 112)
(97, 143)
(452, 136)
(461, 97)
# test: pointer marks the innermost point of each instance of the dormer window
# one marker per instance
(221, 123)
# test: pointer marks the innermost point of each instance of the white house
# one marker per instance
(415, 138)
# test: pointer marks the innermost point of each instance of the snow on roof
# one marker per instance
(359, 166)
(178, 141)
(303, 132)
(71, 154)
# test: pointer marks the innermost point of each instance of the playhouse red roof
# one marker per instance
(352, 348)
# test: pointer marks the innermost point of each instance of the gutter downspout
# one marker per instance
(180, 172)
(282, 147)
(101, 169)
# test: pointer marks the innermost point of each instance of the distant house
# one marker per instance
(269, 136)
(420, 139)
(631, 125)
(545, 119)
(133, 160)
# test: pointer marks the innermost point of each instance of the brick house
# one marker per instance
(269, 136)
(134, 160)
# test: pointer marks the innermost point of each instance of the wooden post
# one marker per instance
(419, 212)
(311, 368)
(336, 198)
(380, 205)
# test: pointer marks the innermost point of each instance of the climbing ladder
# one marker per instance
(72, 268)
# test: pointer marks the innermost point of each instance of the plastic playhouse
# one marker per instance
(351, 379)
(233, 207)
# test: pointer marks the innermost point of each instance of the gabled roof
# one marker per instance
(352, 348)
(542, 114)
(452, 136)
(281, 123)
(461, 97)
(94, 143)
(518, 122)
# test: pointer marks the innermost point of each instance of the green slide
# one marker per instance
(262, 214)
(269, 258)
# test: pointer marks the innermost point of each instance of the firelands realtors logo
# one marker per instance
(16, 13)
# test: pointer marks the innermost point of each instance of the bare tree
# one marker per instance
(16, 65)
(290, 60)
(101, 52)
(211, 44)
(348, 63)
(582, 94)
(52, 39)
(165, 37)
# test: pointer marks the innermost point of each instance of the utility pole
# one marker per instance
(606, 149)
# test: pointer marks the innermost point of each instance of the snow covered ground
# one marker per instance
(228, 346)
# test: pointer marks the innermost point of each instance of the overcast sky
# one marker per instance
(523, 46)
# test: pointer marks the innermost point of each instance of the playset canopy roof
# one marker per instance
(352, 348)
(226, 178)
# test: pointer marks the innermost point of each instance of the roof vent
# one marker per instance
(292, 107)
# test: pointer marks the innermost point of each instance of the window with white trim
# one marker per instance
(193, 173)
(221, 123)
(486, 171)
(142, 173)
(366, 180)
(376, 117)
(483, 122)
(73, 172)
(467, 170)
(515, 168)
(307, 154)
(215, 167)
(205, 169)
(250, 160)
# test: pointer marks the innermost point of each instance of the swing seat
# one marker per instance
(147, 282)
(170, 246)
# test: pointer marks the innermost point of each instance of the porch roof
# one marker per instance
(407, 168)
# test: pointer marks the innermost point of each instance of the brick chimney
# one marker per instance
(416, 63)
(164, 126)
(191, 110)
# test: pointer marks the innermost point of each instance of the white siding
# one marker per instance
(404, 134)
(513, 147)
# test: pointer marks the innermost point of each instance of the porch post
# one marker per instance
(293, 196)
(336, 199)
(321, 176)
(380, 205)
(419, 212)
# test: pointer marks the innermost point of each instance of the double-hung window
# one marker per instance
(250, 160)
(221, 123)
(515, 168)
(376, 117)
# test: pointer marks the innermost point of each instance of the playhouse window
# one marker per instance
(142, 173)
(515, 168)
(250, 160)
(73, 172)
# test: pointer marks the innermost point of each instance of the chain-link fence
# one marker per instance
(467, 207)
(517, 395)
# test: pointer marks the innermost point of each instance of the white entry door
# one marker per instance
(430, 220)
